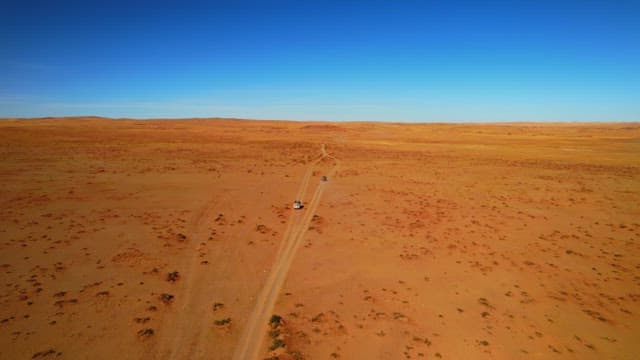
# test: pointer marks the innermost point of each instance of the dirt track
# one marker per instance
(184, 332)
(256, 327)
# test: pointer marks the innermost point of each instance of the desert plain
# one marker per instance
(176, 239)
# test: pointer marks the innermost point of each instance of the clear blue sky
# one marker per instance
(332, 60)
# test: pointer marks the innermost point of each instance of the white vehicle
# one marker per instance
(297, 204)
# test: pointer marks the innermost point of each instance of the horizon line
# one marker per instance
(405, 122)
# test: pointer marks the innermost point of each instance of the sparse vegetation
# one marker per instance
(166, 298)
(275, 321)
(61, 303)
(595, 314)
(398, 316)
(421, 340)
(173, 276)
(222, 322)
(274, 333)
(485, 302)
(146, 332)
(507, 245)
(46, 353)
(276, 344)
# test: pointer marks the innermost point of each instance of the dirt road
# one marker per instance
(256, 326)
(184, 330)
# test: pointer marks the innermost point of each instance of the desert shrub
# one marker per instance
(277, 343)
(222, 322)
(146, 332)
(275, 321)
(45, 353)
(173, 276)
(318, 317)
(166, 298)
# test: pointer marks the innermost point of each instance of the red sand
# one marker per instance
(494, 241)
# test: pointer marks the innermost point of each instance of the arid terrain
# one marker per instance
(176, 239)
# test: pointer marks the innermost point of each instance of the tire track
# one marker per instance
(256, 327)
(183, 330)
(174, 327)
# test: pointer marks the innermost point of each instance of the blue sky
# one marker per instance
(323, 60)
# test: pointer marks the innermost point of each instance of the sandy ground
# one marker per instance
(431, 241)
